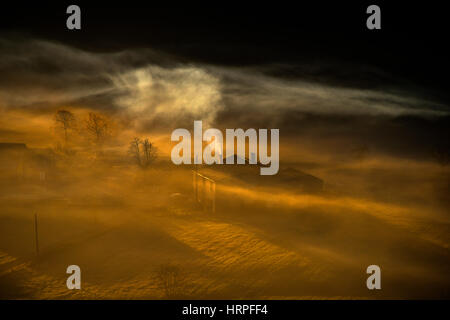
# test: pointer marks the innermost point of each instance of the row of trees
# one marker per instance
(98, 129)
(96, 125)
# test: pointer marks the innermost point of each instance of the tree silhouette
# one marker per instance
(66, 120)
(98, 127)
(149, 152)
(143, 152)
(134, 150)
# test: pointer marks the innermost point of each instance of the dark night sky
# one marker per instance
(411, 44)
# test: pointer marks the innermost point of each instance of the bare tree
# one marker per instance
(143, 152)
(149, 151)
(98, 128)
(66, 120)
(134, 150)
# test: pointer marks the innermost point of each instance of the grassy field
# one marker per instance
(131, 230)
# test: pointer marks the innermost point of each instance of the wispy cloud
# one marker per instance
(155, 91)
